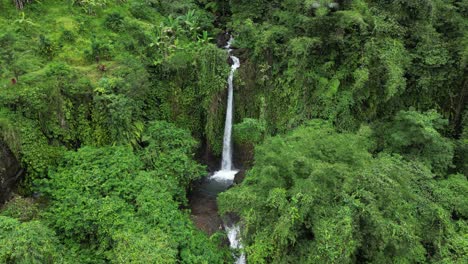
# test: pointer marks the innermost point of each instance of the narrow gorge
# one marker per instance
(204, 208)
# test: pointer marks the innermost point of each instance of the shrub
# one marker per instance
(141, 10)
(100, 50)
(114, 22)
(29, 242)
(250, 131)
(68, 36)
(46, 47)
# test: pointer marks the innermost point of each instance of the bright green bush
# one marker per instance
(106, 207)
(114, 22)
(28, 242)
(170, 151)
(416, 135)
(250, 131)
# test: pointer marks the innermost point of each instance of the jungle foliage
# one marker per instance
(318, 196)
(104, 103)
(350, 61)
(370, 180)
(356, 111)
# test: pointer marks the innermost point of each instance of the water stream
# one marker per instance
(224, 178)
(227, 172)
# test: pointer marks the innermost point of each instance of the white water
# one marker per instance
(233, 236)
(226, 164)
(227, 172)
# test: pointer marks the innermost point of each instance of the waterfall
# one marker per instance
(226, 164)
(234, 241)
(226, 174)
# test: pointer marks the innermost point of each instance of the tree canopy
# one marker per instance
(355, 110)
(317, 195)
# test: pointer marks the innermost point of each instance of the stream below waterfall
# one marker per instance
(207, 190)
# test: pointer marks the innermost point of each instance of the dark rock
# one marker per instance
(231, 218)
(222, 39)
(230, 61)
(240, 53)
(243, 160)
(239, 178)
(243, 156)
(10, 172)
(206, 156)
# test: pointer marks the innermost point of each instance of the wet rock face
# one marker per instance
(222, 40)
(9, 172)
(244, 160)
(230, 61)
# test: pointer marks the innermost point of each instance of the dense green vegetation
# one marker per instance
(383, 180)
(319, 196)
(359, 62)
(105, 204)
(356, 110)
(83, 86)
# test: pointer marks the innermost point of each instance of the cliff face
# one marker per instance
(9, 172)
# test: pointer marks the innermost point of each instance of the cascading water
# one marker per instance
(227, 173)
(233, 236)
(204, 193)
(226, 164)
